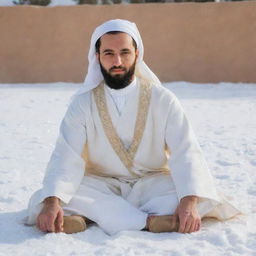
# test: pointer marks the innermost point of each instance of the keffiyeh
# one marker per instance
(94, 75)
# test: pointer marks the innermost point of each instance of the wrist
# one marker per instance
(51, 200)
(193, 199)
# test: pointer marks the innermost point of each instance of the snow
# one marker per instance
(53, 2)
(62, 2)
(6, 3)
(223, 117)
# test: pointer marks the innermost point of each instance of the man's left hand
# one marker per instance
(189, 218)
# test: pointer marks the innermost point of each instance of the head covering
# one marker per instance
(94, 75)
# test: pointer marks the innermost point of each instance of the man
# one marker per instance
(126, 157)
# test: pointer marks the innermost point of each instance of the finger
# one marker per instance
(59, 222)
(183, 220)
(188, 225)
(56, 225)
(193, 226)
(198, 225)
(43, 224)
(50, 224)
(40, 225)
(176, 219)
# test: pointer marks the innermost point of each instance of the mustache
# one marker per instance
(119, 68)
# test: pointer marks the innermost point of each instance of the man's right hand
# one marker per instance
(50, 218)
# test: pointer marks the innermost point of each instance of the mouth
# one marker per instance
(117, 70)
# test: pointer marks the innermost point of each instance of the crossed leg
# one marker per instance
(117, 206)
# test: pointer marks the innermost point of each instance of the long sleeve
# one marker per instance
(66, 167)
(188, 167)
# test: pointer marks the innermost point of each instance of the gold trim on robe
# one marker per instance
(125, 155)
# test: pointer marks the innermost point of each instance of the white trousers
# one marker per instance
(117, 206)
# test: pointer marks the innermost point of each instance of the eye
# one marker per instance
(125, 53)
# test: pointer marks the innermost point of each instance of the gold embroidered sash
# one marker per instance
(126, 155)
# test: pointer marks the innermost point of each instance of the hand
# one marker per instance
(50, 218)
(189, 218)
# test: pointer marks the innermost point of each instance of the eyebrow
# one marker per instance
(122, 50)
(107, 50)
(125, 50)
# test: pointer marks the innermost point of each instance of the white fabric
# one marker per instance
(119, 97)
(154, 195)
(166, 125)
(94, 75)
(127, 205)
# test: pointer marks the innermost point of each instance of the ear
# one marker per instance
(137, 54)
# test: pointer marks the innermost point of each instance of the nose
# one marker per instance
(117, 60)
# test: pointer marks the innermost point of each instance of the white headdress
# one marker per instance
(94, 75)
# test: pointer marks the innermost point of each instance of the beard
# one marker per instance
(118, 81)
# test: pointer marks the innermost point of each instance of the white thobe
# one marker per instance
(169, 161)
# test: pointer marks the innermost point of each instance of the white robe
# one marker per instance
(169, 161)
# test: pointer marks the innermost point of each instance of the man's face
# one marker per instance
(117, 57)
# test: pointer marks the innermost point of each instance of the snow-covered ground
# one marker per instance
(224, 119)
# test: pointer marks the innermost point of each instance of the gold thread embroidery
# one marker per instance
(141, 119)
(126, 156)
